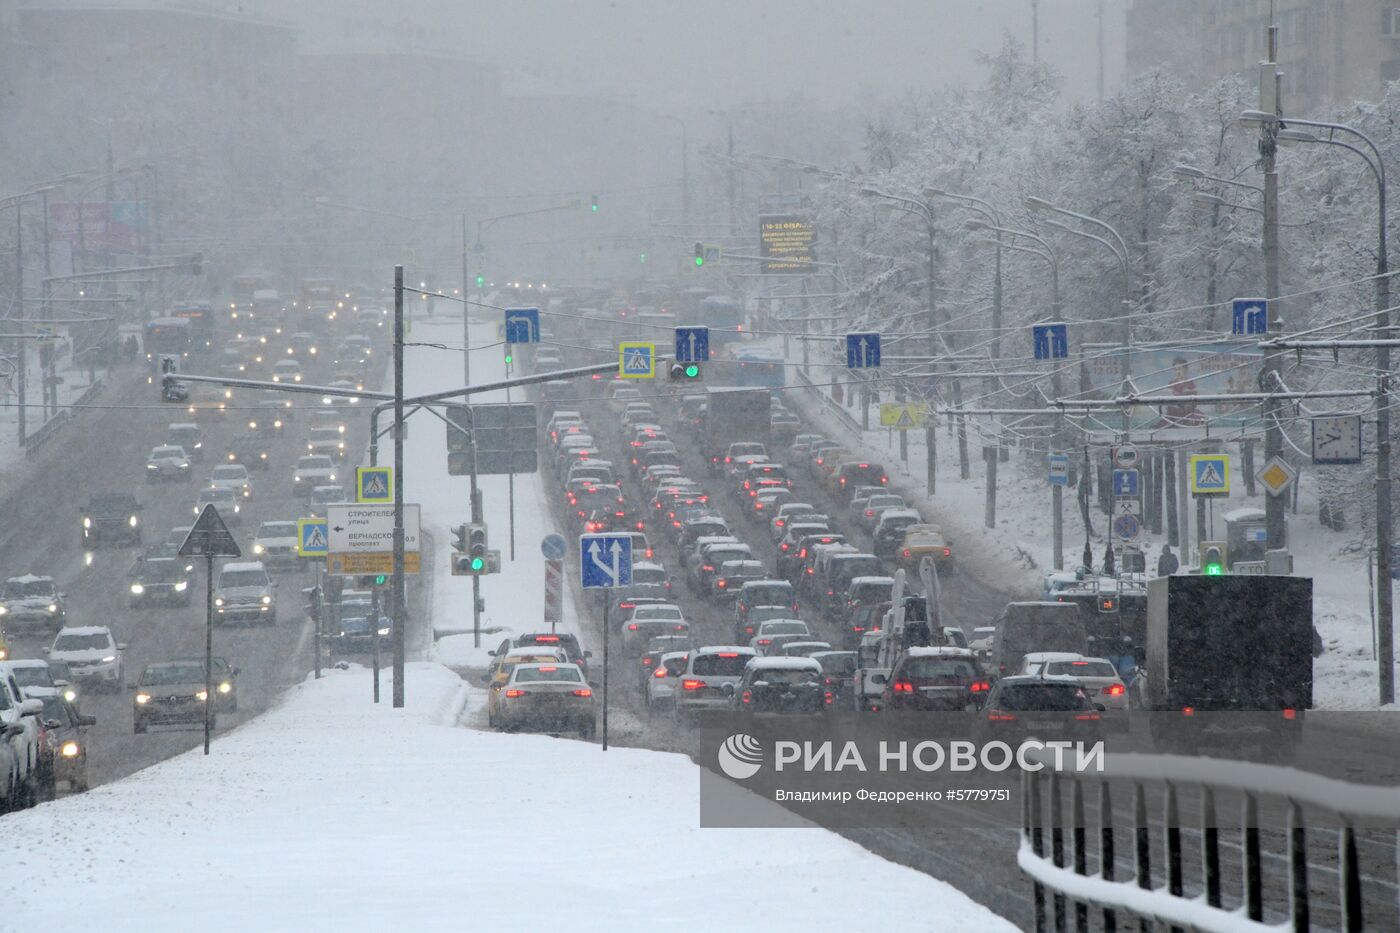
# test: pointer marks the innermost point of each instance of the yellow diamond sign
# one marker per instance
(1277, 476)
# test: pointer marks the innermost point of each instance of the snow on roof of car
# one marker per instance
(1058, 656)
(84, 630)
(243, 565)
(856, 581)
(935, 651)
(785, 664)
(25, 662)
(898, 513)
(716, 649)
(28, 578)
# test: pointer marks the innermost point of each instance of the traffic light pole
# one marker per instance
(397, 583)
(374, 617)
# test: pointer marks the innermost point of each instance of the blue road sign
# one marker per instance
(1125, 484)
(1058, 474)
(522, 325)
(862, 351)
(605, 561)
(374, 484)
(313, 537)
(1126, 527)
(553, 547)
(1051, 341)
(692, 344)
(1249, 316)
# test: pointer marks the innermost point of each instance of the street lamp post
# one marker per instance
(1385, 638)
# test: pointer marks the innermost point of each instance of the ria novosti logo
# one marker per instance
(740, 756)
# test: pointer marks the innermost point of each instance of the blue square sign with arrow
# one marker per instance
(1249, 316)
(862, 351)
(1051, 341)
(692, 344)
(605, 561)
(522, 325)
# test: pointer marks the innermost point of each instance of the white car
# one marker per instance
(232, 476)
(1097, 676)
(777, 525)
(286, 371)
(662, 682)
(225, 502)
(91, 653)
(649, 620)
(33, 678)
(311, 472)
(19, 732)
(707, 673)
(167, 462)
(276, 545)
(774, 633)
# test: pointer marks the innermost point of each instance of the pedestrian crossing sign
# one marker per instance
(312, 537)
(636, 360)
(1210, 475)
(374, 484)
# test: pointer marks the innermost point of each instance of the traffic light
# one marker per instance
(643, 257)
(594, 206)
(685, 371)
(480, 280)
(1213, 558)
(699, 254)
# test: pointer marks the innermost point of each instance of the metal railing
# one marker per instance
(843, 417)
(1294, 898)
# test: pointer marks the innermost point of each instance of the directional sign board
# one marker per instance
(374, 484)
(313, 537)
(360, 565)
(1051, 340)
(369, 529)
(1126, 484)
(605, 561)
(522, 325)
(1057, 472)
(505, 436)
(785, 244)
(692, 344)
(1249, 316)
(636, 360)
(1126, 527)
(1277, 476)
(902, 416)
(553, 547)
(210, 537)
(862, 351)
(1210, 475)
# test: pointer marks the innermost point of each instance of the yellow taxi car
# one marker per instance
(504, 660)
(922, 541)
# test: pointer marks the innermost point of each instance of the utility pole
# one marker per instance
(1269, 102)
(1099, 17)
(21, 355)
(466, 312)
(733, 215)
(1035, 32)
(397, 583)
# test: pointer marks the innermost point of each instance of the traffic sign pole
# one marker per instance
(607, 640)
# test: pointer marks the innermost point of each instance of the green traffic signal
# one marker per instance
(379, 579)
(699, 260)
(478, 564)
(692, 371)
(644, 257)
(1213, 570)
(480, 280)
(509, 359)
(594, 206)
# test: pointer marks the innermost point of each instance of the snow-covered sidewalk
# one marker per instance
(330, 813)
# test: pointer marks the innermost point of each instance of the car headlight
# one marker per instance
(296, 479)
(69, 695)
(235, 508)
(332, 477)
(87, 522)
(277, 423)
(198, 445)
(218, 600)
(341, 428)
(143, 698)
(226, 687)
(258, 549)
(131, 521)
(184, 465)
(3, 610)
(202, 695)
(182, 586)
(384, 631)
(151, 466)
(267, 600)
(109, 659)
(69, 749)
(53, 607)
(137, 589)
(342, 445)
(247, 491)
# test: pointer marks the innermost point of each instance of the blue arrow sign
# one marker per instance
(522, 325)
(1051, 341)
(862, 351)
(692, 344)
(605, 561)
(1249, 316)
(1125, 484)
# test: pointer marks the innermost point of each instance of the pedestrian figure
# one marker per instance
(1167, 564)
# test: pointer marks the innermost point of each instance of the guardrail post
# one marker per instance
(1081, 858)
(1171, 824)
(1298, 868)
(1253, 881)
(1142, 846)
(1210, 848)
(1350, 886)
(1031, 806)
(1106, 854)
(1057, 844)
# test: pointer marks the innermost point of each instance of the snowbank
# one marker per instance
(331, 813)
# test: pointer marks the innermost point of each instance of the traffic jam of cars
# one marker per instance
(261, 462)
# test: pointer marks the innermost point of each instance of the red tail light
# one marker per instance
(627, 605)
(857, 628)
(1188, 711)
(906, 552)
(583, 692)
(747, 697)
(722, 583)
(746, 484)
(947, 552)
(512, 692)
(1087, 717)
(632, 627)
(979, 686)
(869, 513)
(903, 686)
(785, 546)
(708, 567)
(997, 715)
(830, 698)
(765, 641)
(693, 684)
(1290, 714)
(884, 481)
(649, 551)
(660, 672)
(748, 630)
(728, 654)
(1113, 690)
(727, 459)
(843, 481)
(647, 662)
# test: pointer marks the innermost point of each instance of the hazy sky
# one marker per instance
(713, 53)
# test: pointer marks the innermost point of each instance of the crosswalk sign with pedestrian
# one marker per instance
(1210, 475)
(636, 360)
(374, 484)
(312, 537)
